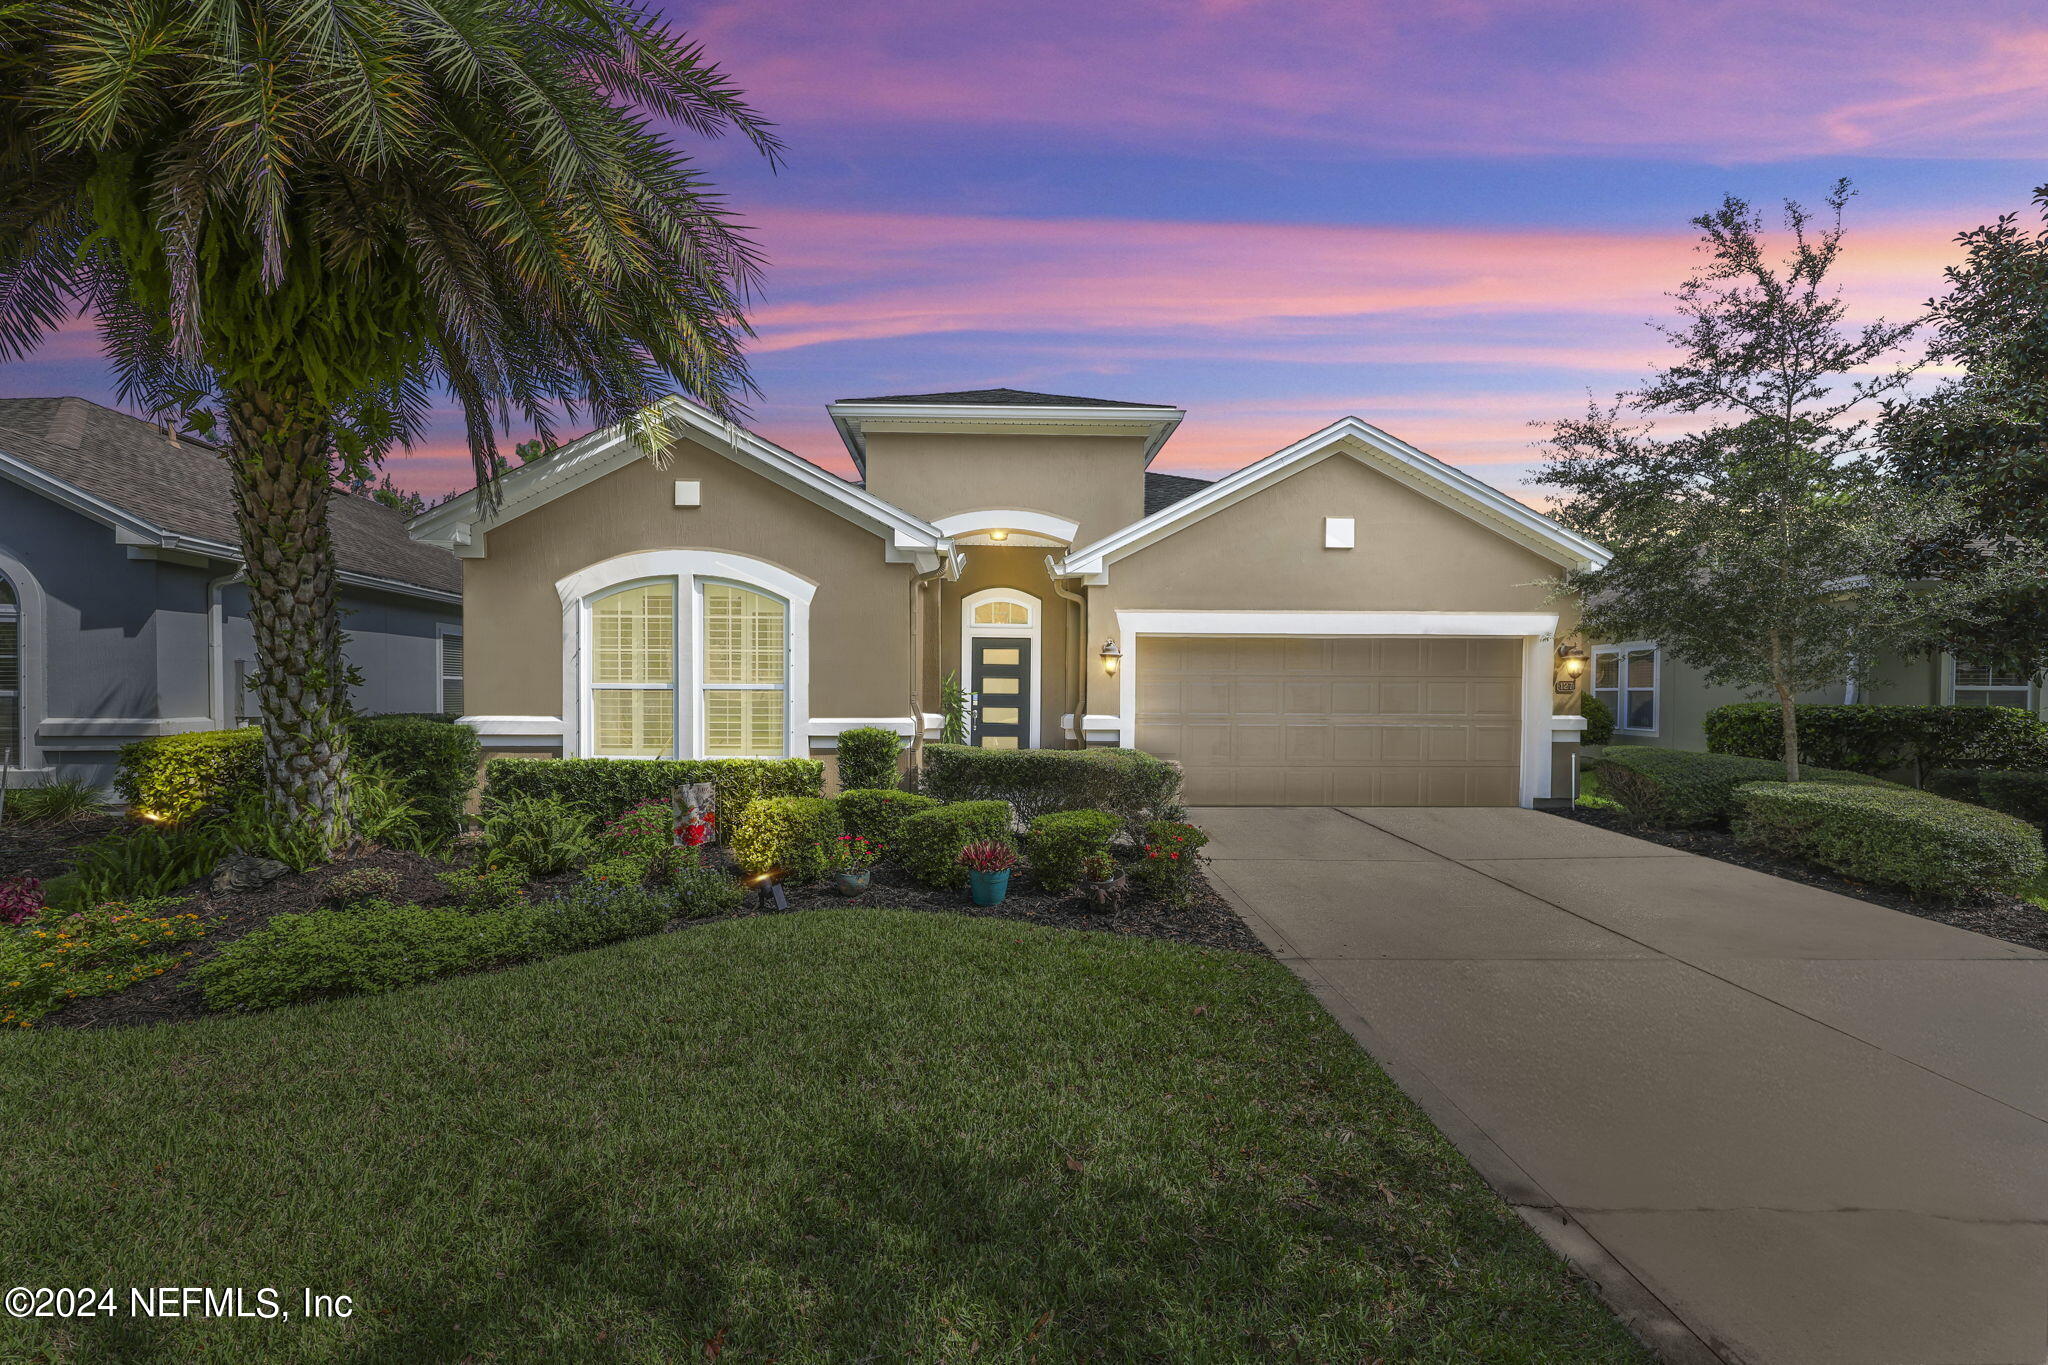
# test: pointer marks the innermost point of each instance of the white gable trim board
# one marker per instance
(459, 525)
(1372, 447)
(1536, 630)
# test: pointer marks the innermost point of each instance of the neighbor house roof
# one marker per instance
(178, 495)
(1004, 397)
(1164, 490)
(1366, 443)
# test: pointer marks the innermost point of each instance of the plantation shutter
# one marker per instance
(746, 664)
(451, 675)
(633, 673)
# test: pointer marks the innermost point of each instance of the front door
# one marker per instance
(1001, 683)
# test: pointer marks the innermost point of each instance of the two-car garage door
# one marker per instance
(1350, 721)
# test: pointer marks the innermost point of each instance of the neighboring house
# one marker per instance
(1345, 621)
(121, 613)
(1660, 701)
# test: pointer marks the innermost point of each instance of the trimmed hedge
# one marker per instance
(1881, 739)
(180, 776)
(1135, 787)
(1060, 842)
(2018, 794)
(1599, 720)
(609, 786)
(867, 758)
(784, 832)
(432, 763)
(928, 844)
(1677, 787)
(1894, 836)
(875, 814)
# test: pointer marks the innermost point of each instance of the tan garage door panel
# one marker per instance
(1351, 721)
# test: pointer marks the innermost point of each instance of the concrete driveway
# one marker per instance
(1776, 1124)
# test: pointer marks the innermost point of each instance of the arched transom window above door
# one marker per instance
(1007, 613)
(707, 661)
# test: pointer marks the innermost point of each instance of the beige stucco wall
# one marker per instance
(1098, 481)
(859, 633)
(1266, 554)
(1684, 697)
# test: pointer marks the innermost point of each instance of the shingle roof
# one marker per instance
(1164, 490)
(184, 488)
(1021, 398)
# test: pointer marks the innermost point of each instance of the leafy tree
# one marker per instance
(1984, 437)
(529, 451)
(297, 220)
(1756, 540)
(402, 500)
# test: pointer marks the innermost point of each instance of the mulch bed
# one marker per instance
(1207, 922)
(45, 849)
(2011, 918)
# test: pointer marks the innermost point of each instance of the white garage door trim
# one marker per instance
(1535, 629)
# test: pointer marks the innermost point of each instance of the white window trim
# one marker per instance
(687, 567)
(32, 623)
(442, 631)
(1536, 630)
(1622, 651)
(970, 632)
(1948, 686)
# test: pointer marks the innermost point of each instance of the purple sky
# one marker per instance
(1450, 219)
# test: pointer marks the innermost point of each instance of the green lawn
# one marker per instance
(833, 1136)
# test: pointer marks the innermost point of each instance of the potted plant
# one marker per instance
(1102, 881)
(988, 863)
(851, 861)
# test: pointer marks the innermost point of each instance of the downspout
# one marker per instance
(949, 567)
(1077, 675)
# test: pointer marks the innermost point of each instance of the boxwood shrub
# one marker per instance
(180, 776)
(1060, 842)
(608, 786)
(874, 814)
(2020, 794)
(1135, 787)
(867, 758)
(1882, 739)
(1599, 720)
(1678, 787)
(928, 844)
(784, 832)
(433, 764)
(1928, 844)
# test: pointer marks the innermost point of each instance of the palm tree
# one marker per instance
(297, 222)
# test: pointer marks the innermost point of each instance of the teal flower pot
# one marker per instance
(989, 887)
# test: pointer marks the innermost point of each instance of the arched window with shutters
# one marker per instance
(687, 654)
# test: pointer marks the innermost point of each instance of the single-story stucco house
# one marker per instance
(121, 611)
(1347, 620)
(1662, 701)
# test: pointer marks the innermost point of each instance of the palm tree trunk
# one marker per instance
(279, 446)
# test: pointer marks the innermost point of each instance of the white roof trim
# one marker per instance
(852, 419)
(1054, 528)
(1368, 444)
(458, 526)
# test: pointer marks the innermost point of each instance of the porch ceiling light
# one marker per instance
(998, 535)
(1111, 652)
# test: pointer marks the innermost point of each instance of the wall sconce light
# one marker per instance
(1571, 660)
(1111, 652)
(998, 535)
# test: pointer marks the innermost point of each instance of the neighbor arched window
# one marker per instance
(10, 673)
